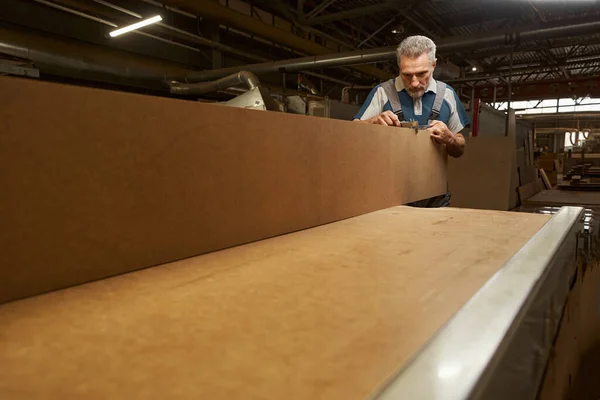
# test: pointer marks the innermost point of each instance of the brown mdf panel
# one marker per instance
(481, 178)
(331, 312)
(529, 190)
(97, 183)
(513, 198)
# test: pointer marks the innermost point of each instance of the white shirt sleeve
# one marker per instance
(376, 104)
(454, 123)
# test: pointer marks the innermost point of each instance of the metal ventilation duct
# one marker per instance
(444, 46)
(247, 78)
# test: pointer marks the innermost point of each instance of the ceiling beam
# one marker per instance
(505, 51)
(544, 89)
(348, 14)
(234, 19)
(319, 9)
(382, 27)
(491, 12)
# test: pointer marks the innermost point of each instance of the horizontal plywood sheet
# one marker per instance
(96, 183)
(331, 312)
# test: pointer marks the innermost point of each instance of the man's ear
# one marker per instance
(434, 63)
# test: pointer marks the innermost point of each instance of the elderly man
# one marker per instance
(417, 96)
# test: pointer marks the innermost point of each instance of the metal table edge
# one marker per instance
(451, 364)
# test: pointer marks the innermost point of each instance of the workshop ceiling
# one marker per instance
(207, 34)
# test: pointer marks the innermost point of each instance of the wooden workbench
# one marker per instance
(330, 312)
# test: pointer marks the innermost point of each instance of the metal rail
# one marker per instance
(479, 352)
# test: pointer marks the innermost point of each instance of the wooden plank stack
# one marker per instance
(582, 176)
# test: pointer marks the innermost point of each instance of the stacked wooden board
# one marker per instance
(581, 176)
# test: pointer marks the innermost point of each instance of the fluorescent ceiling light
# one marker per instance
(135, 26)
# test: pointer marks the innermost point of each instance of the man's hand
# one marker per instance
(385, 118)
(455, 143)
(440, 133)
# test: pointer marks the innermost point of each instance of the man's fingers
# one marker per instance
(438, 124)
(390, 114)
(436, 138)
(388, 120)
(392, 117)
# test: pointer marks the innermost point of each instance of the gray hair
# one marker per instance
(414, 46)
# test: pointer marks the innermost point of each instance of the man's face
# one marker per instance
(415, 74)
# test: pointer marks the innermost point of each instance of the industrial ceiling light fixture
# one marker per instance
(135, 26)
(398, 29)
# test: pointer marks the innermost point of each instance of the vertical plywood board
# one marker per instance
(513, 198)
(481, 178)
(527, 174)
(124, 181)
(521, 157)
(530, 189)
(530, 143)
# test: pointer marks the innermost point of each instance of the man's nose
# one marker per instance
(414, 82)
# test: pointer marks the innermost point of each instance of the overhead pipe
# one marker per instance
(297, 64)
(514, 38)
(245, 77)
(444, 46)
(71, 58)
(228, 17)
(326, 77)
(195, 38)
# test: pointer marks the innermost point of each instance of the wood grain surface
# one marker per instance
(97, 183)
(325, 313)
